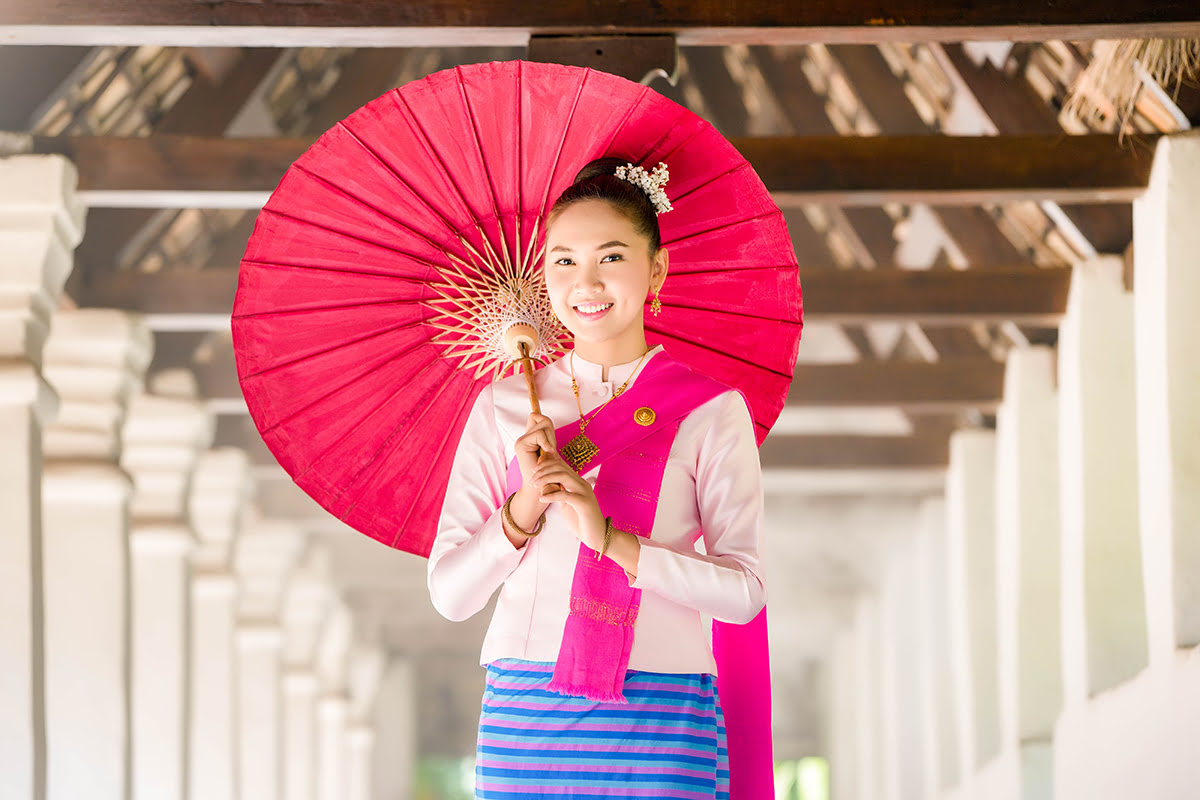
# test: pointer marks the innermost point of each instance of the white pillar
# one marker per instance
(365, 673)
(221, 488)
(1103, 603)
(903, 722)
(266, 553)
(333, 707)
(41, 222)
(869, 735)
(941, 728)
(96, 360)
(1027, 547)
(164, 437)
(970, 512)
(843, 722)
(1167, 341)
(308, 601)
(395, 754)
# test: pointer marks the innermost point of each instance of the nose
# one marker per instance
(588, 279)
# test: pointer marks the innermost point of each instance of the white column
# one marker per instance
(936, 666)
(164, 437)
(333, 707)
(395, 755)
(365, 673)
(869, 735)
(41, 222)
(308, 601)
(903, 722)
(1167, 341)
(970, 519)
(843, 722)
(221, 488)
(96, 360)
(266, 553)
(1103, 602)
(1027, 548)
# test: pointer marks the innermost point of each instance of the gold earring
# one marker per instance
(656, 304)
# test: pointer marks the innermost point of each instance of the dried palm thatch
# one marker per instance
(1106, 92)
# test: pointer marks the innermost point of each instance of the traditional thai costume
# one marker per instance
(601, 684)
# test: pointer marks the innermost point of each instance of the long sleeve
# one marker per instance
(471, 557)
(726, 582)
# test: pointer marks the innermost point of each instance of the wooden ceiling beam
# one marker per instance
(854, 171)
(456, 22)
(1027, 295)
(917, 386)
(927, 448)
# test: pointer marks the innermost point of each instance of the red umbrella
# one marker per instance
(389, 240)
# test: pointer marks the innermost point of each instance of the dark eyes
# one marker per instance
(566, 262)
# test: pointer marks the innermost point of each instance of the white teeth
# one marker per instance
(593, 308)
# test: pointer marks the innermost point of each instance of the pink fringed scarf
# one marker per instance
(598, 637)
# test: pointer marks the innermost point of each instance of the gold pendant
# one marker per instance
(579, 451)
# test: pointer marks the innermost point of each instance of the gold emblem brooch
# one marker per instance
(644, 416)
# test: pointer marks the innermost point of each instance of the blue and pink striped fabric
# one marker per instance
(667, 743)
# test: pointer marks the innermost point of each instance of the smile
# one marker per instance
(592, 310)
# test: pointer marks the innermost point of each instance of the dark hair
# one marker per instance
(598, 181)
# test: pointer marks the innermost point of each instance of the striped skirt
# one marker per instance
(667, 743)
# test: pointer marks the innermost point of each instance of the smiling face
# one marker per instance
(599, 273)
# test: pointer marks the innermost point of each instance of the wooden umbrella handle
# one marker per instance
(527, 368)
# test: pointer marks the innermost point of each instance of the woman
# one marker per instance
(600, 666)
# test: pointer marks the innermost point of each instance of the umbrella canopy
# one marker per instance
(382, 267)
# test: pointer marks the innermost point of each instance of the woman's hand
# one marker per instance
(575, 496)
(537, 439)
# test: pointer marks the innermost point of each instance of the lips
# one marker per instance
(592, 311)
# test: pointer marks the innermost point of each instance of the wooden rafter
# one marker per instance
(834, 169)
(942, 386)
(1029, 295)
(442, 22)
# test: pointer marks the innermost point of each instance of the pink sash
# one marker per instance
(598, 636)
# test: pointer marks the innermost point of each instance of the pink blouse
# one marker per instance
(711, 493)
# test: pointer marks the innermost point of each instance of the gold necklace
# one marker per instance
(580, 450)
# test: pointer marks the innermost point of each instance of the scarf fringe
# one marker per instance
(588, 692)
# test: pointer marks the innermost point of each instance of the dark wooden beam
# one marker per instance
(842, 452)
(281, 23)
(1030, 295)
(942, 386)
(834, 169)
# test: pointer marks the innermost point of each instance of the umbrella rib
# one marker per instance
(491, 181)
(326, 351)
(712, 310)
(562, 140)
(279, 265)
(433, 209)
(467, 398)
(680, 273)
(382, 245)
(711, 180)
(362, 420)
(722, 353)
(292, 414)
(291, 312)
(722, 227)
(361, 201)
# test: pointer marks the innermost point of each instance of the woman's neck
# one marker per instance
(611, 353)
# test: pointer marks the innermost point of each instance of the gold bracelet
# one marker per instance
(608, 529)
(508, 517)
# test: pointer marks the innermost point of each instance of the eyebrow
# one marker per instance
(606, 245)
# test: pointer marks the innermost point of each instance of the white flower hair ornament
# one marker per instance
(649, 182)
